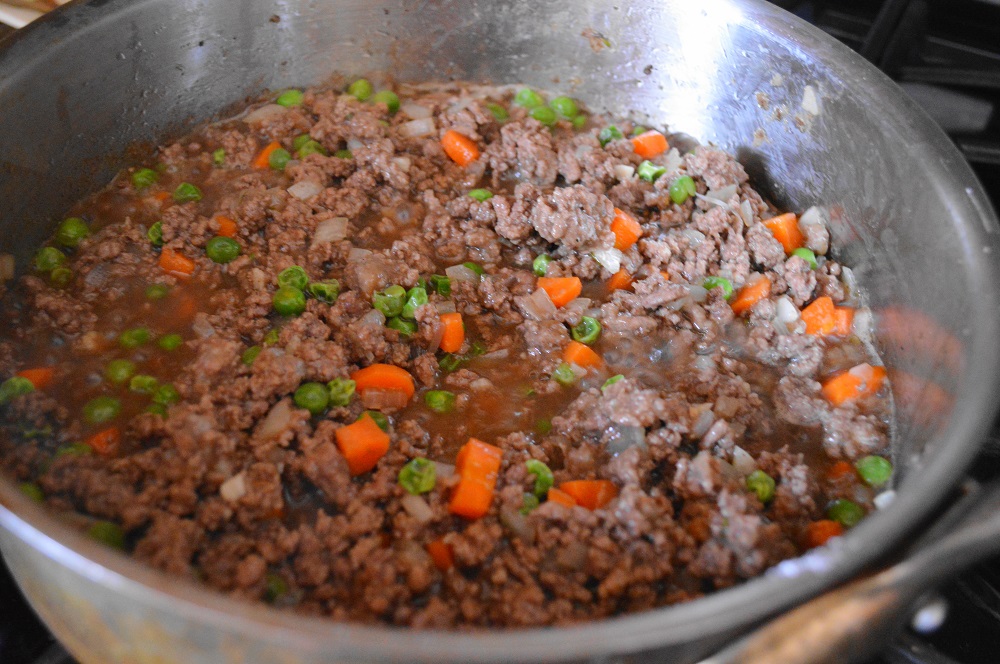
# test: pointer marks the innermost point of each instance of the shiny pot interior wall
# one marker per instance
(813, 123)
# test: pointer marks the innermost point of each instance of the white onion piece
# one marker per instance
(883, 499)
(621, 437)
(374, 318)
(673, 160)
(330, 230)
(538, 305)
(354, 144)
(376, 399)
(264, 113)
(518, 525)
(496, 355)
(417, 507)
(435, 341)
(698, 293)
(481, 385)
(201, 326)
(404, 163)
(305, 190)
(417, 128)
(742, 461)
(445, 307)
(234, 488)
(815, 216)
(715, 433)
(610, 259)
(577, 306)
(785, 310)
(850, 281)
(703, 423)
(357, 254)
(746, 211)
(6, 267)
(862, 325)
(443, 470)
(415, 111)
(694, 237)
(583, 149)
(624, 172)
(723, 194)
(728, 470)
(462, 273)
(276, 421)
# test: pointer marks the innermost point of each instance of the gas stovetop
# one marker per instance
(946, 55)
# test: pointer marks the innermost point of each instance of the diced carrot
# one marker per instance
(384, 377)
(454, 332)
(561, 290)
(263, 158)
(477, 466)
(227, 227)
(362, 443)
(819, 532)
(176, 263)
(839, 470)
(620, 280)
(560, 498)
(162, 197)
(785, 228)
(752, 293)
(819, 316)
(592, 494)
(186, 307)
(460, 149)
(649, 144)
(626, 229)
(40, 377)
(105, 442)
(581, 355)
(441, 554)
(859, 381)
(843, 321)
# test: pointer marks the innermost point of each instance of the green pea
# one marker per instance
(170, 342)
(325, 291)
(101, 409)
(387, 97)
(341, 391)
(250, 354)
(405, 327)
(290, 98)
(311, 147)
(587, 331)
(275, 587)
(74, 449)
(119, 371)
(719, 282)
(71, 231)
(544, 479)
(279, 159)
(543, 426)
(379, 418)
(416, 297)
(440, 401)
(107, 533)
(166, 395)
(481, 194)
(682, 189)
(564, 374)
(187, 193)
(566, 107)
(155, 234)
(313, 397)
(48, 259)
(293, 277)
(271, 337)
(441, 284)
(611, 381)
(343, 154)
(528, 98)
(874, 470)
(61, 277)
(360, 89)
(32, 491)
(498, 111)
(219, 157)
(544, 114)
(529, 504)
(157, 291)
(144, 177)
(143, 384)
(580, 122)
(300, 140)
(541, 264)
(157, 409)
(390, 301)
(761, 484)
(133, 338)
(807, 255)
(475, 267)
(649, 171)
(608, 134)
(13, 387)
(222, 249)
(289, 301)
(418, 476)
(845, 512)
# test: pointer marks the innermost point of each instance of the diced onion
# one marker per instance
(445, 307)
(746, 211)
(610, 259)
(723, 194)
(698, 293)
(786, 311)
(862, 325)
(703, 363)
(6, 267)
(517, 524)
(715, 433)
(703, 423)
(417, 507)
(415, 111)
(305, 190)
(883, 499)
(815, 216)
(276, 421)
(376, 399)
(330, 230)
(417, 128)
(404, 163)
(264, 113)
(462, 273)
(694, 237)
(538, 305)
(742, 461)
(481, 385)
(497, 354)
(621, 437)
(583, 149)
(354, 144)
(234, 488)
(673, 161)
(443, 470)
(201, 326)
(624, 172)
(577, 307)
(375, 318)
(357, 254)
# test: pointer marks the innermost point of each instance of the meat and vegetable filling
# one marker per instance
(444, 356)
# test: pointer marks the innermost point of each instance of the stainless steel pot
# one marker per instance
(814, 123)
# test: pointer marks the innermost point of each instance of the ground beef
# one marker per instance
(213, 465)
